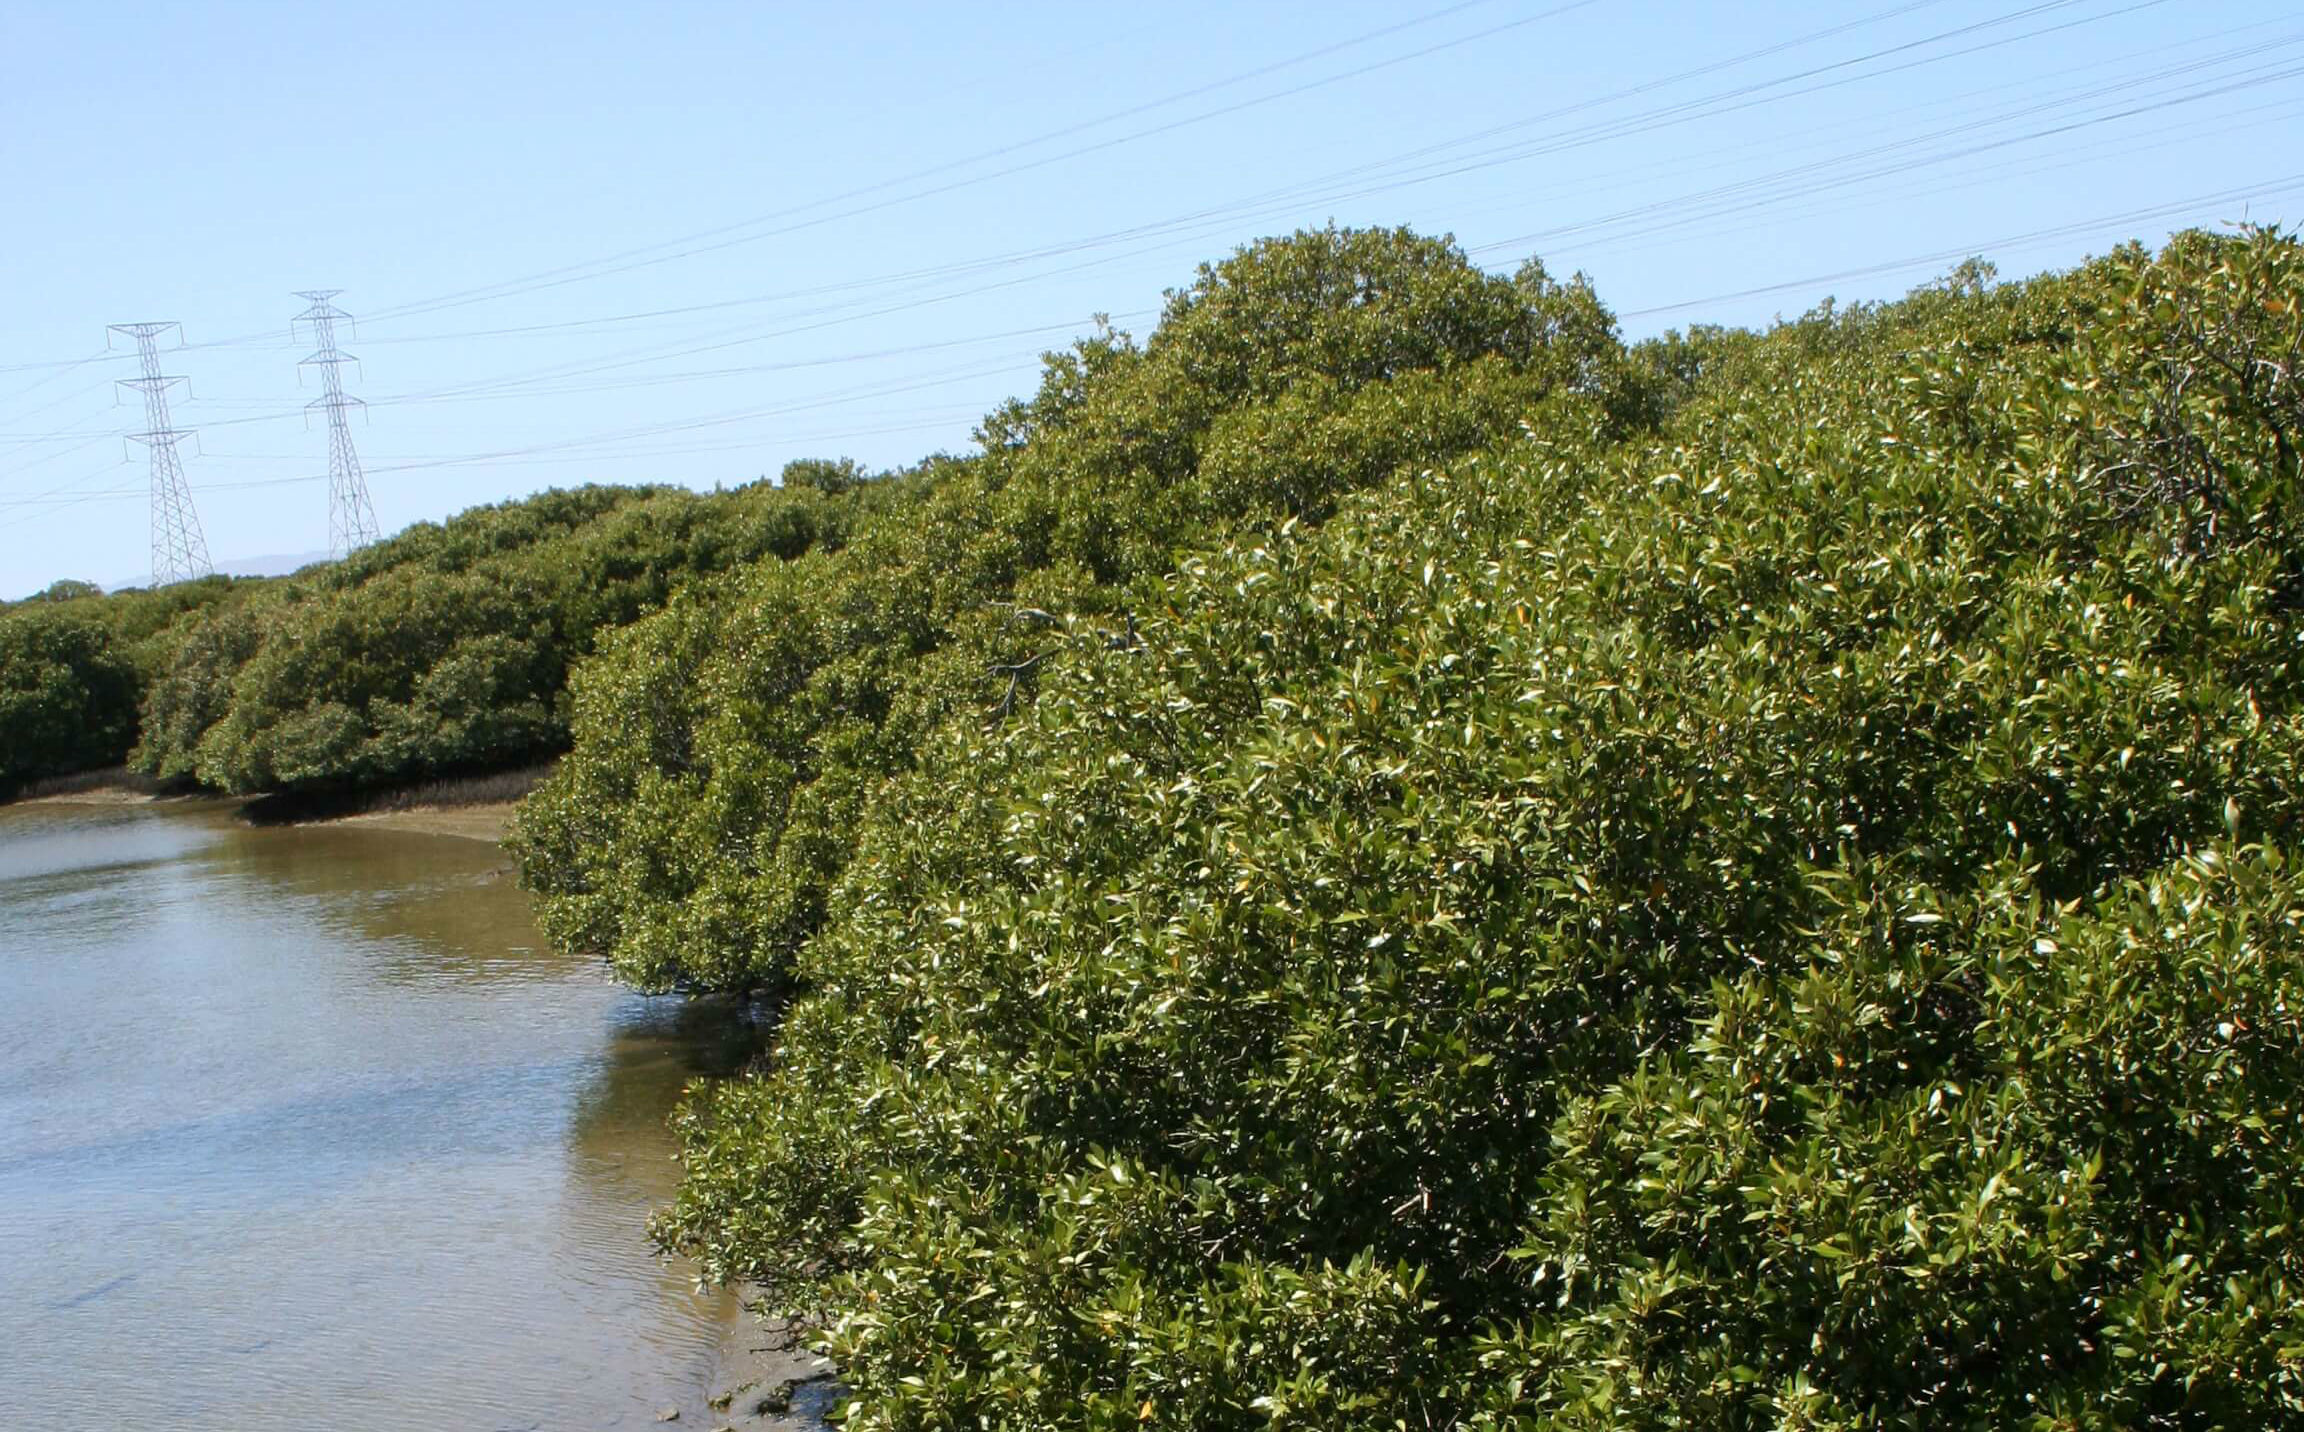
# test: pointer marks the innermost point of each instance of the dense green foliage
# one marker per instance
(447, 647)
(1377, 859)
(74, 665)
(1788, 920)
(444, 649)
(727, 747)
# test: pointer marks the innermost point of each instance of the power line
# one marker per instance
(179, 551)
(552, 277)
(351, 519)
(2032, 84)
(1305, 191)
(1836, 201)
(555, 378)
(568, 276)
(2186, 206)
(1735, 99)
(1400, 171)
(1202, 218)
(939, 418)
(1962, 251)
(1817, 174)
(61, 364)
(74, 429)
(696, 242)
(1891, 159)
(1703, 107)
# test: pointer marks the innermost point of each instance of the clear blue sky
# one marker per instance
(894, 207)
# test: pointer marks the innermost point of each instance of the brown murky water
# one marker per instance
(307, 1128)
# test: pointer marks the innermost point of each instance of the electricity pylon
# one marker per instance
(179, 551)
(351, 520)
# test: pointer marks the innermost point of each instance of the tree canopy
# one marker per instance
(726, 748)
(447, 647)
(1378, 858)
(1785, 920)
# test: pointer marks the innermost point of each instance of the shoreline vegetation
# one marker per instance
(1381, 856)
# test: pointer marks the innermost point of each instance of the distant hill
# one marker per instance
(273, 565)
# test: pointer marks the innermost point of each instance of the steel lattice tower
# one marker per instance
(179, 551)
(351, 520)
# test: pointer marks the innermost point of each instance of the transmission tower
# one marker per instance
(179, 552)
(351, 520)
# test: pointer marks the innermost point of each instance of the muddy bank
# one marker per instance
(477, 807)
(116, 785)
(479, 822)
(486, 821)
(94, 795)
(469, 807)
(766, 1381)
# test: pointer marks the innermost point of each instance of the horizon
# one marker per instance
(551, 289)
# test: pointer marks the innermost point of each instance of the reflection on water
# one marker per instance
(307, 1127)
